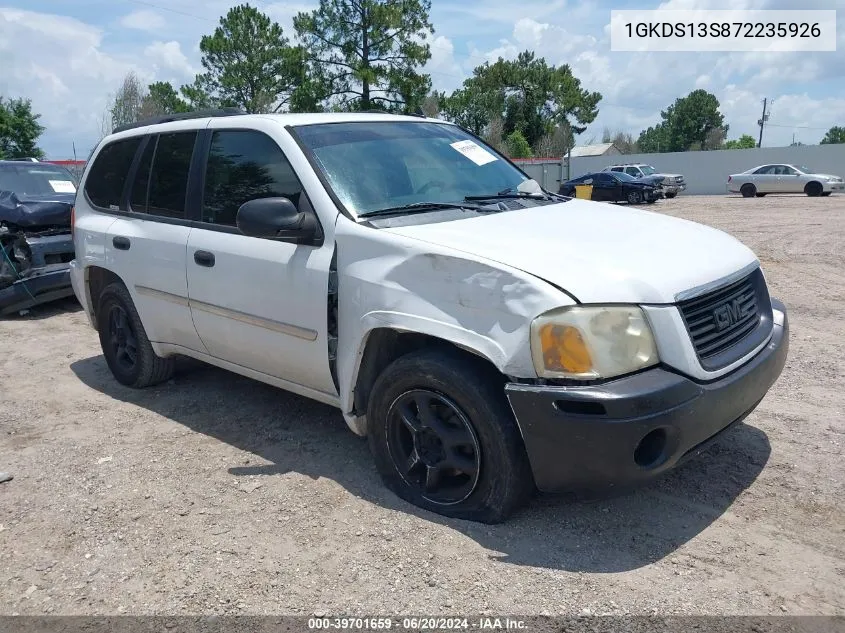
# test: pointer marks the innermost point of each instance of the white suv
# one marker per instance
(489, 337)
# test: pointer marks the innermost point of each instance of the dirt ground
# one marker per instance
(217, 494)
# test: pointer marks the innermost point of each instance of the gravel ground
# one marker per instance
(217, 494)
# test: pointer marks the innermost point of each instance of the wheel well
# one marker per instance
(384, 345)
(98, 279)
(812, 183)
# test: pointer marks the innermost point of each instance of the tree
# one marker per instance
(517, 145)
(249, 64)
(623, 141)
(160, 99)
(126, 107)
(19, 129)
(364, 54)
(834, 135)
(530, 95)
(692, 122)
(431, 105)
(743, 142)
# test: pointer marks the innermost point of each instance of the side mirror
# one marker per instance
(274, 218)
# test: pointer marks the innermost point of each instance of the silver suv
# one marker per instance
(672, 184)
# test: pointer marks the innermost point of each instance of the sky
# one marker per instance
(70, 56)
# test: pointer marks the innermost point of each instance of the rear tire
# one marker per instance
(748, 190)
(814, 189)
(124, 341)
(444, 438)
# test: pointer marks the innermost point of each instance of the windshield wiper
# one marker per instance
(420, 207)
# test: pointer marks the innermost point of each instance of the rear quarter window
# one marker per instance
(105, 182)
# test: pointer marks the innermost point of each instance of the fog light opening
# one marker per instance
(651, 451)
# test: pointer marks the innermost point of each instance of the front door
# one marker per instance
(257, 303)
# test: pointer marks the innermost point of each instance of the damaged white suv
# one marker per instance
(490, 338)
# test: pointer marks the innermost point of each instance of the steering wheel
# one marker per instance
(429, 185)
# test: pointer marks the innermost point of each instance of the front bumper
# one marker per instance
(834, 186)
(631, 430)
(43, 285)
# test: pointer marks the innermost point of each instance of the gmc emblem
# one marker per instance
(728, 314)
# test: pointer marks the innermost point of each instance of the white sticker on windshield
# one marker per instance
(474, 152)
(62, 186)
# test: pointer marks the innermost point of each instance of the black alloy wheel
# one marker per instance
(433, 446)
(122, 339)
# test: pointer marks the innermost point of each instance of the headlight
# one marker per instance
(588, 342)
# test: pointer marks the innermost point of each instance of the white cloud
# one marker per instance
(67, 75)
(144, 20)
(168, 60)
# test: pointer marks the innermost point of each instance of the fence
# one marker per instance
(705, 172)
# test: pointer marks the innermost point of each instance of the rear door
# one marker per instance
(604, 188)
(257, 303)
(146, 244)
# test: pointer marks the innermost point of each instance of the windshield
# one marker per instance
(35, 179)
(648, 170)
(384, 164)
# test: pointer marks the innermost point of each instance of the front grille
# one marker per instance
(729, 322)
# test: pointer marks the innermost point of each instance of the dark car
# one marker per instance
(36, 245)
(615, 187)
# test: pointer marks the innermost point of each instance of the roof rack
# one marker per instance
(418, 112)
(182, 116)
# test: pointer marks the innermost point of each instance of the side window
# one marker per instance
(138, 195)
(768, 169)
(615, 169)
(604, 179)
(105, 181)
(788, 171)
(242, 166)
(633, 171)
(169, 174)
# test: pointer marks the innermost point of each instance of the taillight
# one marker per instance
(72, 219)
(729, 178)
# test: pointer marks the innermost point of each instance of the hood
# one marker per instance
(28, 211)
(595, 251)
(834, 177)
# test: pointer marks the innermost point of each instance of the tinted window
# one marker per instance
(243, 166)
(108, 174)
(633, 171)
(169, 177)
(615, 169)
(604, 179)
(138, 196)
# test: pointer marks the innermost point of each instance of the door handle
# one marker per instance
(121, 243)
(204, 258)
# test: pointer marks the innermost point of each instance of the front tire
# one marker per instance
(761, 195)
(635, 197)
(748, 190)
(814, 189)
(671, 195)
(444, 438)
(124, 342)
(826, 193)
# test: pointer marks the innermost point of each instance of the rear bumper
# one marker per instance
(41, 286)
(628, 431)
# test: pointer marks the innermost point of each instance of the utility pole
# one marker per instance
(762, 122)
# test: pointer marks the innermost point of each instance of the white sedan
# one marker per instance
(783, 178)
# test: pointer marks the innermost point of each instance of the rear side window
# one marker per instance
(138, 195)
(243, 166)
(169, 175)
(105, 182)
